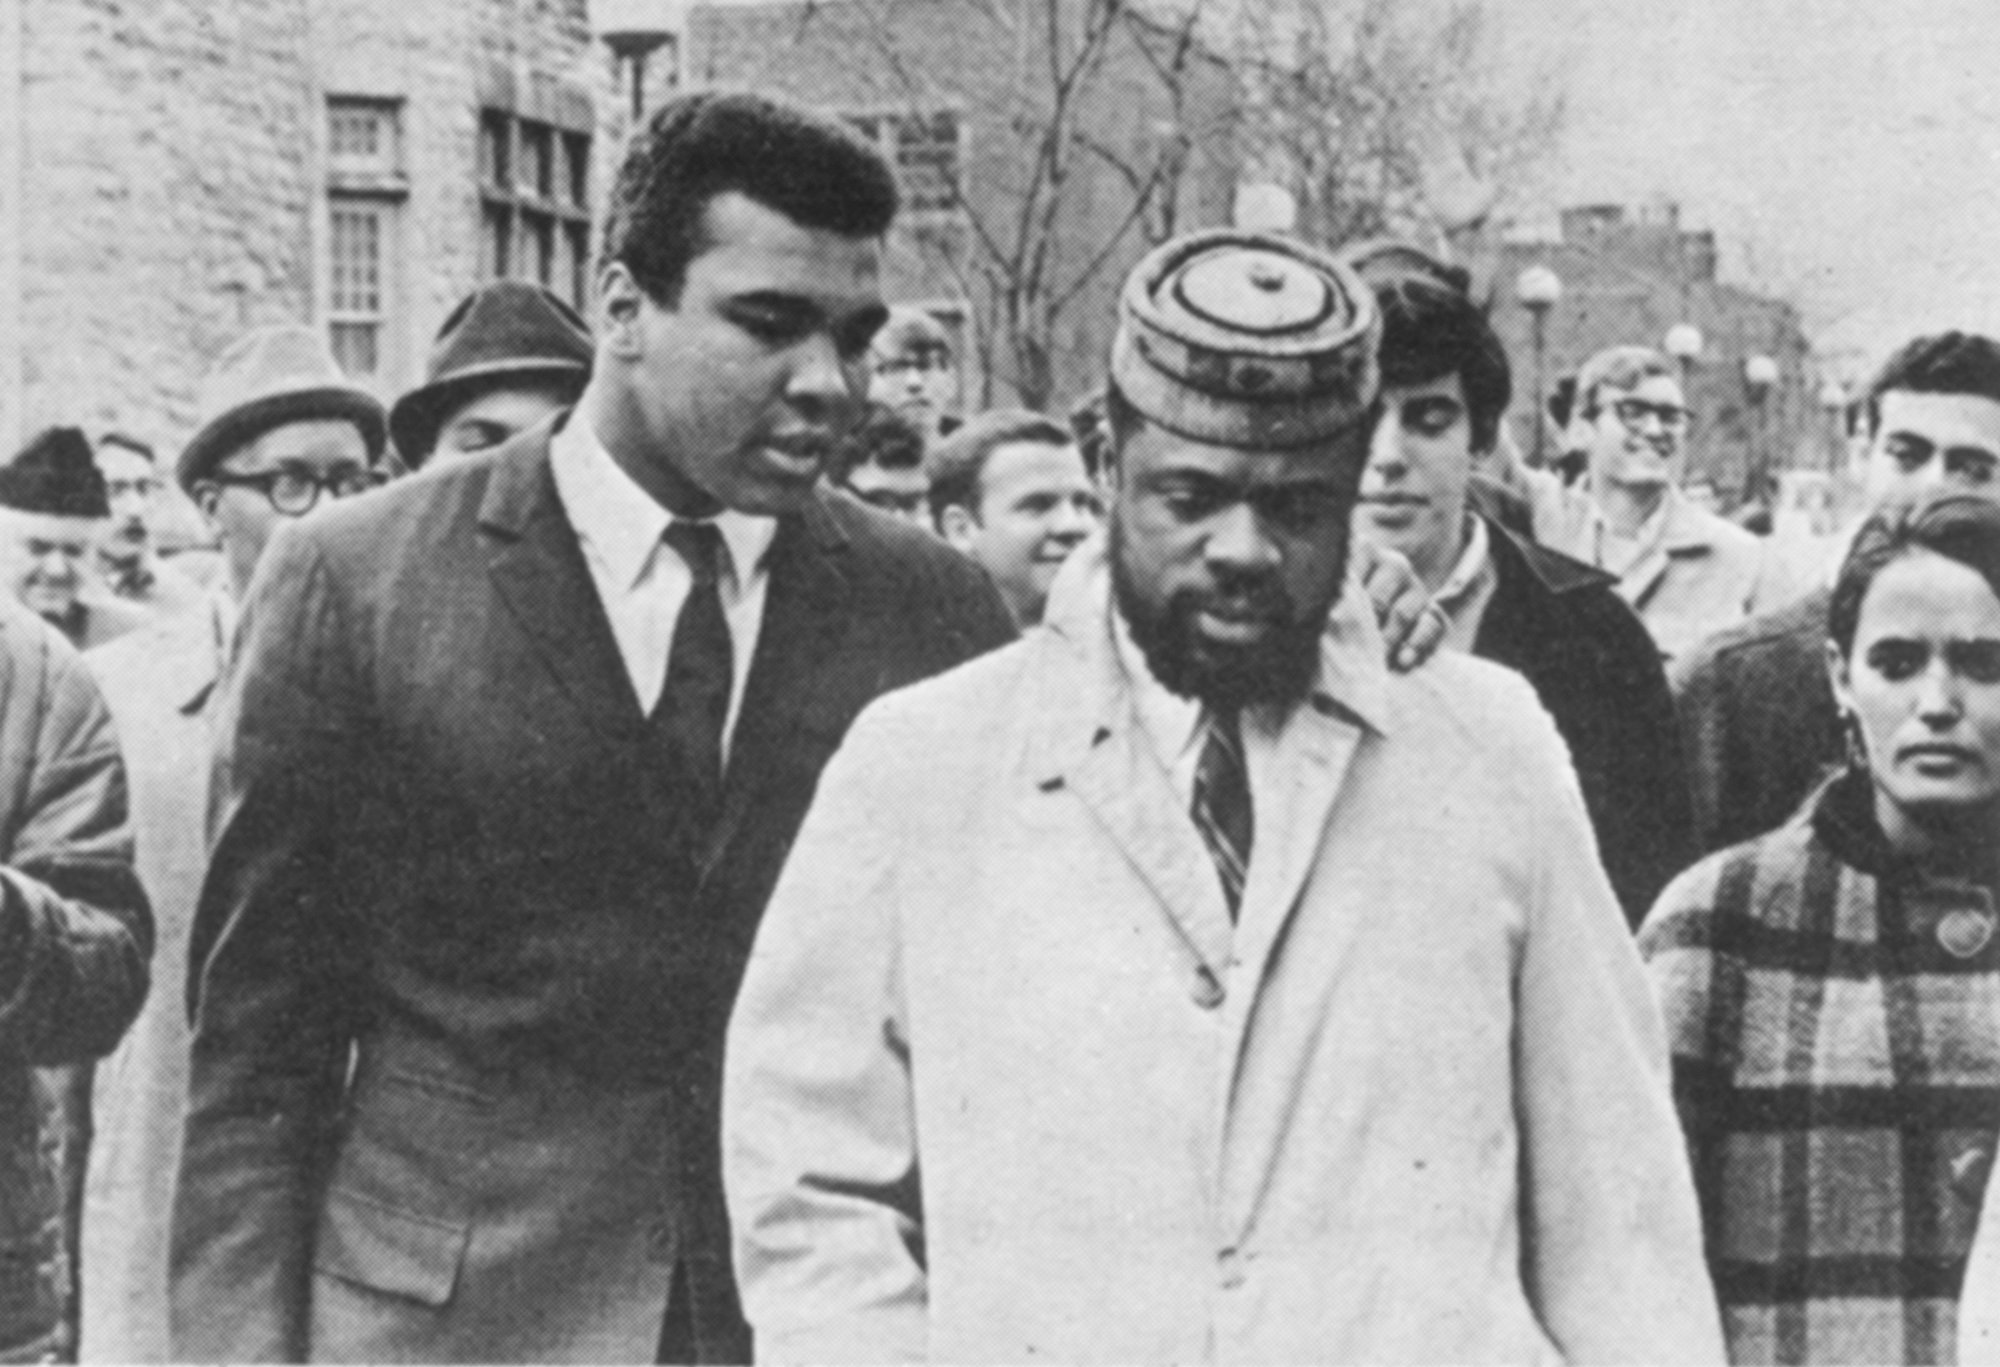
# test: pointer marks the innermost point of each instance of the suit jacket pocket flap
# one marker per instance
(393, 1251)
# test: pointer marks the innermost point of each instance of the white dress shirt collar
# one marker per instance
(622, 523)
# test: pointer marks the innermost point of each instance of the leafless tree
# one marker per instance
(1389, 115)
(1109, 106)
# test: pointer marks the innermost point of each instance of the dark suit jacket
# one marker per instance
(460, 996)
(1758, 720)
(1559, 623)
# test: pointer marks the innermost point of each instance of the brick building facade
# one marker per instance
(174, 172)
(1628, 277)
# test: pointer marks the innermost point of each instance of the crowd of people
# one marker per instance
(682, 840)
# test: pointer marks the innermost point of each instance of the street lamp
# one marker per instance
(1538, 288)
(1683, 343)
(634, 30)
(1760, 375)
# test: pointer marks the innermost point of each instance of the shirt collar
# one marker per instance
(622, 523)
(1472, 561)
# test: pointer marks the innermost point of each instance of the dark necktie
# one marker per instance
(694, 702)
(1222, 804)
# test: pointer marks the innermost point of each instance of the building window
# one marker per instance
(358, 250)
(534, 203)
(925, 148)
(366, 188)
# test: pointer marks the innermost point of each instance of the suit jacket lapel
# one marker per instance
(806, 610)
(537, 567)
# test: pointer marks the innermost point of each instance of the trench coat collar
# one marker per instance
(1087, 736)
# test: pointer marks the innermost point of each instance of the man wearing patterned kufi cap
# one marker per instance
(1184, 984)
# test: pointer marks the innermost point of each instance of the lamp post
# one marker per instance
(634, 30)
(1538, 288)
(1833, 402)
(1760, 375)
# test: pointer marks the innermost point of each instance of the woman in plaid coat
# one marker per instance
(1832, 989)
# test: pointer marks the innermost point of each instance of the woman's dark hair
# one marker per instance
(1957, 526)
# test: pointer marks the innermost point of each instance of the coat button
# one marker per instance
(1208, 991)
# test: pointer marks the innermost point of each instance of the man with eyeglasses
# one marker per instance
(126, 557)
(282, 433)
(282, 429)
(1684, 570)
(913, 371)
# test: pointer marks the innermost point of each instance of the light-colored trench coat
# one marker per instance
(1414, 1108)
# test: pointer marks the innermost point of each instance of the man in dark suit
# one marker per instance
(1556, 621)
(512, 753)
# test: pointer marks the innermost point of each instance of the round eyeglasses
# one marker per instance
(295, 492)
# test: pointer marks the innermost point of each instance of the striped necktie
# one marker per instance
(1221, 806)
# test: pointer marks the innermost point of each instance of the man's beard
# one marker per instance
(1279, 668)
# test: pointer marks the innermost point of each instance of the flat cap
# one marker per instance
(1246, 339)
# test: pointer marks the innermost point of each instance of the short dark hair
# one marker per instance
(1958, 526)
(1429, 332)
(1940, 363)
(812, 169)
(960, 459)
(883, 437)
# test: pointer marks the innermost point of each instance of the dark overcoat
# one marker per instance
(1592, 662)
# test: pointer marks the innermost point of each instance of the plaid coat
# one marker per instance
(1835, 1023)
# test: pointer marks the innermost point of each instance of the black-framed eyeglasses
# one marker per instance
(1634, 412)
(294, 492)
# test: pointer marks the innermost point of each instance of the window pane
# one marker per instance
(496, 241)
(494, 161)
(355, 133)
(357, 260)
(926, 154)
(538, 160)
(577, 182)
(579, 254)
(538, 248)
(354, 347)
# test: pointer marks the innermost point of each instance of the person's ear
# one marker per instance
(620, 301)
(205, 494)
(957, 526)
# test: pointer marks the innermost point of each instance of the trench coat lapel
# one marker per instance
(807, 608)
(1088, 739)
(538, 570)
(1314, 754)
